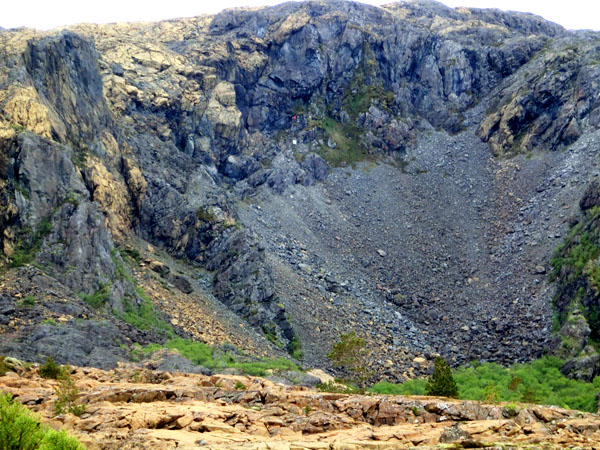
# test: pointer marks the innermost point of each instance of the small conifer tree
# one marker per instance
(441, 382)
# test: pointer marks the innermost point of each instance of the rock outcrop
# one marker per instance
(127, 408)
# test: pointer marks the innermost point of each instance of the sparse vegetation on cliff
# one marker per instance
(575, 267)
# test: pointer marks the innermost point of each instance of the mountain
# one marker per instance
(274, 178)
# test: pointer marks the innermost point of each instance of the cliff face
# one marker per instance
(313, 167)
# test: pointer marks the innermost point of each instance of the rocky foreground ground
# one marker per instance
(130, 408)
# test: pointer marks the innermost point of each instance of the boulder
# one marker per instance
(182, 284)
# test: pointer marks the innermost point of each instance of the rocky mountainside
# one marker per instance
(276, 177)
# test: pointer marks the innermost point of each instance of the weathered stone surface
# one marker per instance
(188, 410)
(159, 267)
(536, 109)
(584, 368)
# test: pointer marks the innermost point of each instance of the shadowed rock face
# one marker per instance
(64, 70)
(330, 164)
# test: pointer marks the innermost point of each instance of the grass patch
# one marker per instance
(120, 270)
(539, 381)
(144, 317)
(364, 89)
(411, 387)
(213, 358)
(20, 429)
(348, 149)
(27, 302)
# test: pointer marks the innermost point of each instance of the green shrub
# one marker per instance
(204, 214)
(80, 156)
(27, 302)
(3, 367)
(541, 382)
(514, 384)
(68, 394)
(239, 386)
(132, 252)
(60, 440)
(528, 395)
(510, 410)
(20, 429)
(294, 348)
(441, 382)
(270, 331)
(98, 298)
(51, 370)
(72, 198)
(491, 393)
(17, 127)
